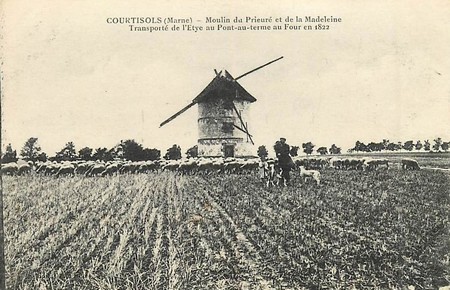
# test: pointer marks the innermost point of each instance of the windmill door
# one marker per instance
(228, 150)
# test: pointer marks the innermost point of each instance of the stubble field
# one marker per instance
(386, 229)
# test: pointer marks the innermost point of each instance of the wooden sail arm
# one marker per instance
(243, 124)
(239, 128)
(177, 114)
(259, 67)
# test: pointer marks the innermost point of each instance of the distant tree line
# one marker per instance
(125, 149)
(309, 148)
(410, 145)
(133, 151)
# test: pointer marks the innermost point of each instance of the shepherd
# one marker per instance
(285, 162)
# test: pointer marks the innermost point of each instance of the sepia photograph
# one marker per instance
(225, 145)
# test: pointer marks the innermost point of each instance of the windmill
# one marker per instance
(223, 107)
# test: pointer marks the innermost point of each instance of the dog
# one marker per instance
(306, 174)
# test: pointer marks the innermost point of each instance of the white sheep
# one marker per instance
(310, 173)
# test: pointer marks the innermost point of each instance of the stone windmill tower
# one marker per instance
(223, 108)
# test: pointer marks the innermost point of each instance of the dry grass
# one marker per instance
(383, 229)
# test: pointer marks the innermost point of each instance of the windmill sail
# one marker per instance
(177, 114)
(240, 129)
(259, 67)
(243, 124)
(222, 85)
(217, 104)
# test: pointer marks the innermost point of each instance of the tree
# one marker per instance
(426, 145)
(308, 147)
(385, 143)
(408, 145)
(322, 150)
(437, 144)
(391, 146)
(394, 146)
(114, 153)
(360, 147)
(294, 151)
(42, 157)
(10, 155)
(262, 151)
(102, 154)
(173, 153)
(192, 152)
(85, 153)
(31, 149)
(151, 154)
(67, 153)
(445, 146)
(334, 149)
(374, 147)
(419, 145)
(131, 150)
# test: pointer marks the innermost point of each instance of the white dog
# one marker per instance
(306, 174)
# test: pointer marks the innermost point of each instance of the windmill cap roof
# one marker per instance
(224, 86)
(225, 74)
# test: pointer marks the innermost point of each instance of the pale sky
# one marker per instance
(68, 75)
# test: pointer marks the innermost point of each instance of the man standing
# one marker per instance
(285, 162)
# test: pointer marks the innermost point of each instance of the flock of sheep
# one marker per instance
(191, 166)
(364, 163)
(100, 168)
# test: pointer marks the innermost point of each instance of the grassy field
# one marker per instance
(363, 230)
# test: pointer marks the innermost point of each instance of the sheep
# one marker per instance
(24, 168)
(110, 169)
(204, 166)
(300, 161)
(188, 166)
(83, 167)
(66, 169)
(231, 166)
(248, 166)
(383, 161)
(310, 173)
(10, 168)
(353, 164)
(95, 170)
(147, 166)
(336, 163)
(218, 165)
(127, 167)
(51, 168)
(171, 165)
(410, 164)
(371, 163)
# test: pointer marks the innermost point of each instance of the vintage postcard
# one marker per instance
(225, 145)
